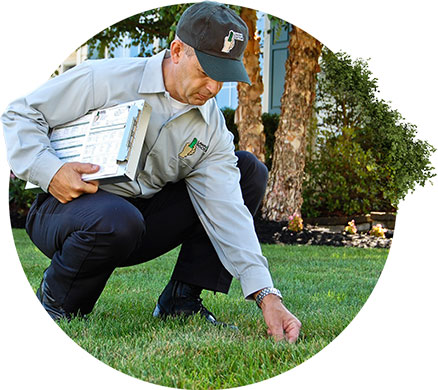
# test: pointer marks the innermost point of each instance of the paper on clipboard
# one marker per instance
(109, 137)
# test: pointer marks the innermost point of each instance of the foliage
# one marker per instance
(277, 26)
(151, 31)
(19, 199)
(143, 29)
(362, 156)
(342, 179)
(231, 126)
(270, 124)
(295, 223)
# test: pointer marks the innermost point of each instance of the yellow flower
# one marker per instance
(351, 227)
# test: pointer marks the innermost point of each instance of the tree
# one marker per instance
(248, 115)
(143, 29)
(366, 156)
(283, 195)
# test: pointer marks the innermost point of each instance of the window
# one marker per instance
(227, 97)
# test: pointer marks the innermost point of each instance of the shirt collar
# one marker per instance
(152, 81)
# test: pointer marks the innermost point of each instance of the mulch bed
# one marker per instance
(270, 232)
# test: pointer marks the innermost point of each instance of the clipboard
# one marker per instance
(110, 137)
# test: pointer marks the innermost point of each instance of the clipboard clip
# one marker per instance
(127, 135)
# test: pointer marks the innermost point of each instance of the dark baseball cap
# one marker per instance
(219, 37)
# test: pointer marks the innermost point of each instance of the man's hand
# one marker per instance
(67, 184)
(281, 323)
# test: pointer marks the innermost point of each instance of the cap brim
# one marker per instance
(222, 69)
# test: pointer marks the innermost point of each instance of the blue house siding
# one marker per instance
(277, 57)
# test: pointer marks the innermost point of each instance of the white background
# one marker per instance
(392, 343)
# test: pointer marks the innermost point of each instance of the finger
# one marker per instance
(292, 337)
(278, 337)
(276, 331)
(86, 168)
(90, 187)
(94, 182)
(292, 331)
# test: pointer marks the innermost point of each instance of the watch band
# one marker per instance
(267, 291)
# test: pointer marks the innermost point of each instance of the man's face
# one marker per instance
(192, 85)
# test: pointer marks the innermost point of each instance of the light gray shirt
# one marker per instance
(192, 143)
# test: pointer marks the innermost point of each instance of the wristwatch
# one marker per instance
(267, 291)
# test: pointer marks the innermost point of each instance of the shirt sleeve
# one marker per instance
(27, 120)
(217, 198)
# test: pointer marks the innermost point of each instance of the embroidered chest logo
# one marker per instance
(230, 40)
(190, 148)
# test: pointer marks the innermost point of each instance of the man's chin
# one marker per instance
(199, 100)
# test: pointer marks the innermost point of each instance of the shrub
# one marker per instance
(270, 124)
(19, 201)
(342, 179)
(229, 120)
(362, 156)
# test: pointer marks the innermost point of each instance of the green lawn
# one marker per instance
(324, 287)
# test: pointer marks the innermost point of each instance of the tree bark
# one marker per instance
(248, 115)
(283, 195)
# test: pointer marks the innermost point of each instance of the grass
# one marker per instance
(324, 287)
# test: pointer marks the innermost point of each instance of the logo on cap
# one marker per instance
(230, 40)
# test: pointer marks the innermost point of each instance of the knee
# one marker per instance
(120, 225)
(253, 172)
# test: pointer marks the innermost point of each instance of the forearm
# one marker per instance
(216, 196)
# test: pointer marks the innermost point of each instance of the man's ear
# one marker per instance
(176, 50)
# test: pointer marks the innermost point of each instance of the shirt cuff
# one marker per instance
(44, 168)
(255, 279)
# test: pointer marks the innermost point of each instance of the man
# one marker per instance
(192, 189)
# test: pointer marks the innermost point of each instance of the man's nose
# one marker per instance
(214, 86)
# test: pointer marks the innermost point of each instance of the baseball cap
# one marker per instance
(219, 37)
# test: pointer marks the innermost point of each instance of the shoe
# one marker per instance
(54, 309)
(183, 299)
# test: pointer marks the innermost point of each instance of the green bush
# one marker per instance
(270, 124)
(342, 180)
(229, 120)
(19, 201)
(361, 155)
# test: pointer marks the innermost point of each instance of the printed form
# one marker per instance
(94, 138)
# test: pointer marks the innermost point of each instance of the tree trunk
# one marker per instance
(283, 195)
(248, 115)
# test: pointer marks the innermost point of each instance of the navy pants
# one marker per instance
(89, 237)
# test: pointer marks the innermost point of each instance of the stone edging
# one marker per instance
(363, 222)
